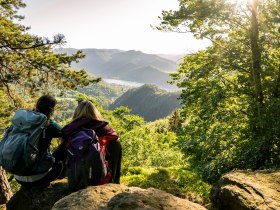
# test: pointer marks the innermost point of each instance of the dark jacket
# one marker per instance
(53, 131)
(101, 128)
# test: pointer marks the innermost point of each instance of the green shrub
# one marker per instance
(146, 148)
(179, 181)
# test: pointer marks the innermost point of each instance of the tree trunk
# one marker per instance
(5, 189)
(277, 85)
(257, 81)
(256, 63)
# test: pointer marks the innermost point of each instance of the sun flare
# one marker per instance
(241, 2)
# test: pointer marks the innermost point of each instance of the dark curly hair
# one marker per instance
(45, 105)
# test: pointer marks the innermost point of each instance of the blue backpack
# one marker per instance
(19, 146)
(85, 163)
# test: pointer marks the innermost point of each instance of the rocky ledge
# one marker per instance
(244, 190)
(105, 197)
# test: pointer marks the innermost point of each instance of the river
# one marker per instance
(123, 82)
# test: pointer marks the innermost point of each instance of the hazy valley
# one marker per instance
(133, 66)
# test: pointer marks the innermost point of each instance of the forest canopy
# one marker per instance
(231, 89)
(28, 63)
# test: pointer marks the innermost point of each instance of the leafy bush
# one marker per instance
(144, 147)
(179, 181)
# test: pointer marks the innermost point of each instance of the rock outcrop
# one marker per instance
(38, 199)
(237, 190)
(119, 197)
(244, 190)
(109, 196)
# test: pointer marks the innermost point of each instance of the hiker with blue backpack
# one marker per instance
(25, 148)
(89, 151)
(85, 136)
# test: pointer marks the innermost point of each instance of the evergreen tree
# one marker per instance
(28, 65)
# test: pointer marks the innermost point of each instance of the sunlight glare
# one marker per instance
(241, 2)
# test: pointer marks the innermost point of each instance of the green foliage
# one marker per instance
(144, 144)
(6, 110)
(29, 66)
(159, 126)
(146, 100)
(104, 93)
(230, 91)
(144, 147)
(101, 94)
(175, 121)
(215, 119)
(15, 186)
(122, 120)
(179, 181)
(64, 110)
(28, 63)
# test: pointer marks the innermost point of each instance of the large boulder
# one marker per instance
(244, 190)
(109, 196)
(119, 197)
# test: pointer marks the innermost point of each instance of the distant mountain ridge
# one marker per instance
(126, 65)
(149, 102)
(177, 58)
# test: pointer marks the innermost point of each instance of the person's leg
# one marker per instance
(113, 156)
(118, 170)
(60, 155)
(46, 180)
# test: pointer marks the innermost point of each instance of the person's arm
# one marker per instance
(106, 135)
(56, 129)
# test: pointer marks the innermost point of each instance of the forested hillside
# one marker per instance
(149, 102)
(229, 117)
(104, 93)
(126, 65)
(231, 90)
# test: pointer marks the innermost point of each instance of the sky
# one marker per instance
(108, 24)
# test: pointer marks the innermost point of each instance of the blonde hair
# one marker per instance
(86, 109)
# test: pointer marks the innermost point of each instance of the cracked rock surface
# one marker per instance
(120, 197)
(104, 197)
(244, 190)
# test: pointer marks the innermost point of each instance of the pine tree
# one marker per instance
(29, 65)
